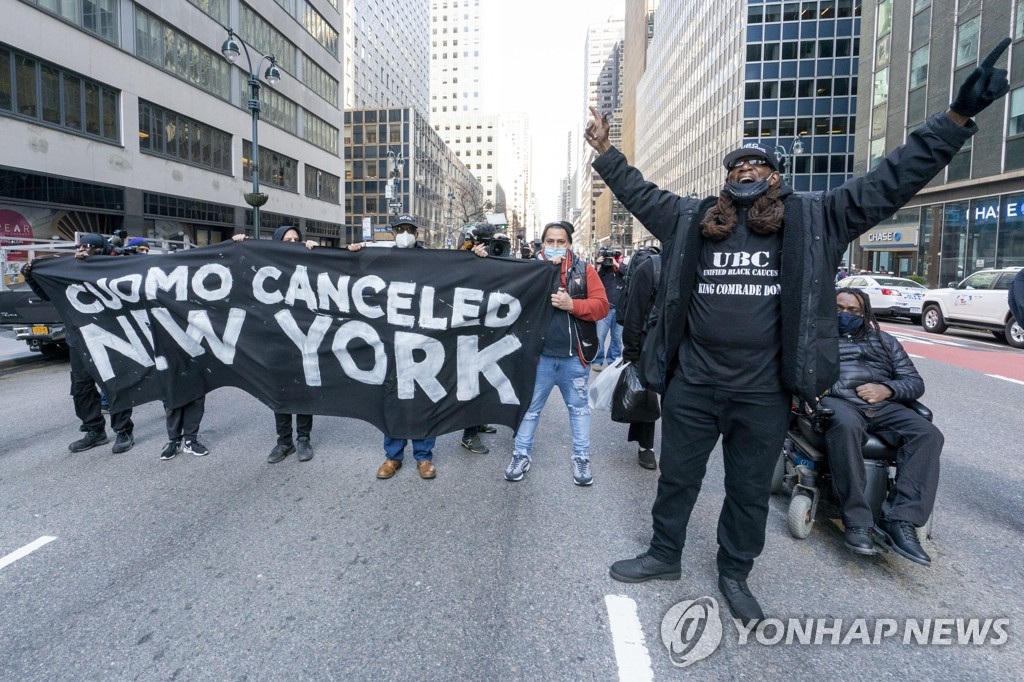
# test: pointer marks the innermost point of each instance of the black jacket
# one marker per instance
(638, 304)
(818, 227)
(876, 358)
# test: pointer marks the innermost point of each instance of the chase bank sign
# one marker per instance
(890, 238)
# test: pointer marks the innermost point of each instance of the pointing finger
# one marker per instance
(994, 55)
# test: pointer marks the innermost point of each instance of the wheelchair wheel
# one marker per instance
(779, 473)
(799, 518)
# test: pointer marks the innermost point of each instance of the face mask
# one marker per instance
(849, 324)
(746, 193)
(405, 240)
(551, 252)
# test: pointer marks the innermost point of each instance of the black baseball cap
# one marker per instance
(751, 149)
(404, 219)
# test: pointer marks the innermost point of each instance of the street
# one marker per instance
(226, 567)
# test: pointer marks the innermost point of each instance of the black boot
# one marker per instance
(901, 537)
(91, 440)
(124, 442)
(644, 568)
(741, 602)
(858, 540)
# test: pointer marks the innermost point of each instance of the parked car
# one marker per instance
(890, 296)
(978, 302)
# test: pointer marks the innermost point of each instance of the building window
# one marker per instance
(167, 48)
(881, 91)
(163, 132)
(1016, 126)
(217, 9)
(919, 67)
(98, 17)
(276, 170)
(884, 18)
(45, 93)
(1018, 27)
(322, 185)
(920, 5)
(877, 152)
(967, 42)
(266, 39)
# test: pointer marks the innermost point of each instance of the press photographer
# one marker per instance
(609, 332)
(496, 245)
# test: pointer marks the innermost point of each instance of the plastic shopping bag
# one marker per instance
(602, 388)
(631, 402)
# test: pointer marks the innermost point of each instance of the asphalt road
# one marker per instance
(225, 567)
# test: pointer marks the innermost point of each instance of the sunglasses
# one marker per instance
(402, 229)
(750, 161)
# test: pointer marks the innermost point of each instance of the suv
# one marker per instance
(978, 302)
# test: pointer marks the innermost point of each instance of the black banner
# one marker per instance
(416, 342)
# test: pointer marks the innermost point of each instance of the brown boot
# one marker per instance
(426, 468)
(388, 468)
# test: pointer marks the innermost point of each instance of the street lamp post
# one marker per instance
(786, 157)
(230, 50)
(451, 218)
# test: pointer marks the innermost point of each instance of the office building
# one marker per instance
(125, 114)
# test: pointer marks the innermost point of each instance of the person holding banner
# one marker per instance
(285, 446)
(570, 345)
(86, 398)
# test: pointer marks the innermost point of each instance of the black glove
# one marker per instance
(984, 86)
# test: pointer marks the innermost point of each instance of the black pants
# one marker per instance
(183, 422)
(87, 400)
(283, 423)
(917, 460)
(753, 426)
(642, 433)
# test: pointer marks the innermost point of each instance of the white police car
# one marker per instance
(890, 296)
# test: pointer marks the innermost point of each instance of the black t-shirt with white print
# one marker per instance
(733, 335)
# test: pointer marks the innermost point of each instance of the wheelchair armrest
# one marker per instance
(921, 409)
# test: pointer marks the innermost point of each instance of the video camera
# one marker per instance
(609, 254)
(498, 245)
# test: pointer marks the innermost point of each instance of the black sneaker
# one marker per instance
(647, 459)
(171, 449)
(741, 602)
(486, 428)
(305, 449)
(91, 440)
(474, 445)
(194, 447)
(644, 568)
(279, 453)
(124, 442)
(901, 537)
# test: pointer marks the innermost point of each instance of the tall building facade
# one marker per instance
(602, 89)
(638, 31)
(397, 163)
(119, 114)
(386, 53)
(971, 216)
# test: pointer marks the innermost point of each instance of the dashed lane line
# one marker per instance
(25, 551)
(631, 655)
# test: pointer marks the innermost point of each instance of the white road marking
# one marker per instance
(25, 551)
(631, 653)
(1014, 381)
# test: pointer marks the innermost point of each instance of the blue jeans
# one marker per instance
(572, 379)
(608, 326)
(394, 448)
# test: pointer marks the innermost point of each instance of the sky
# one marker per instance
(541, 44)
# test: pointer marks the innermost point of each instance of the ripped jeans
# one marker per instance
(572, 379)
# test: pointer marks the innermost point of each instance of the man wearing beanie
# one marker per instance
(747, 319)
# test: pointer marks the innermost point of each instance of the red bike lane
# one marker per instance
(985, 357)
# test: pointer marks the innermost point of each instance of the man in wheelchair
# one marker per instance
(877, 382)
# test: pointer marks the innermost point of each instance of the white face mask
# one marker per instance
(405, 240)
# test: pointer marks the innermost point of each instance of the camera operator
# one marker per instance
(483, 234)
(608, 263)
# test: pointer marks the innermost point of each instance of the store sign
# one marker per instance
(14, 229)
(990, 211)
(890, 238)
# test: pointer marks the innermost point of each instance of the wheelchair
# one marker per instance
(802, 470)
